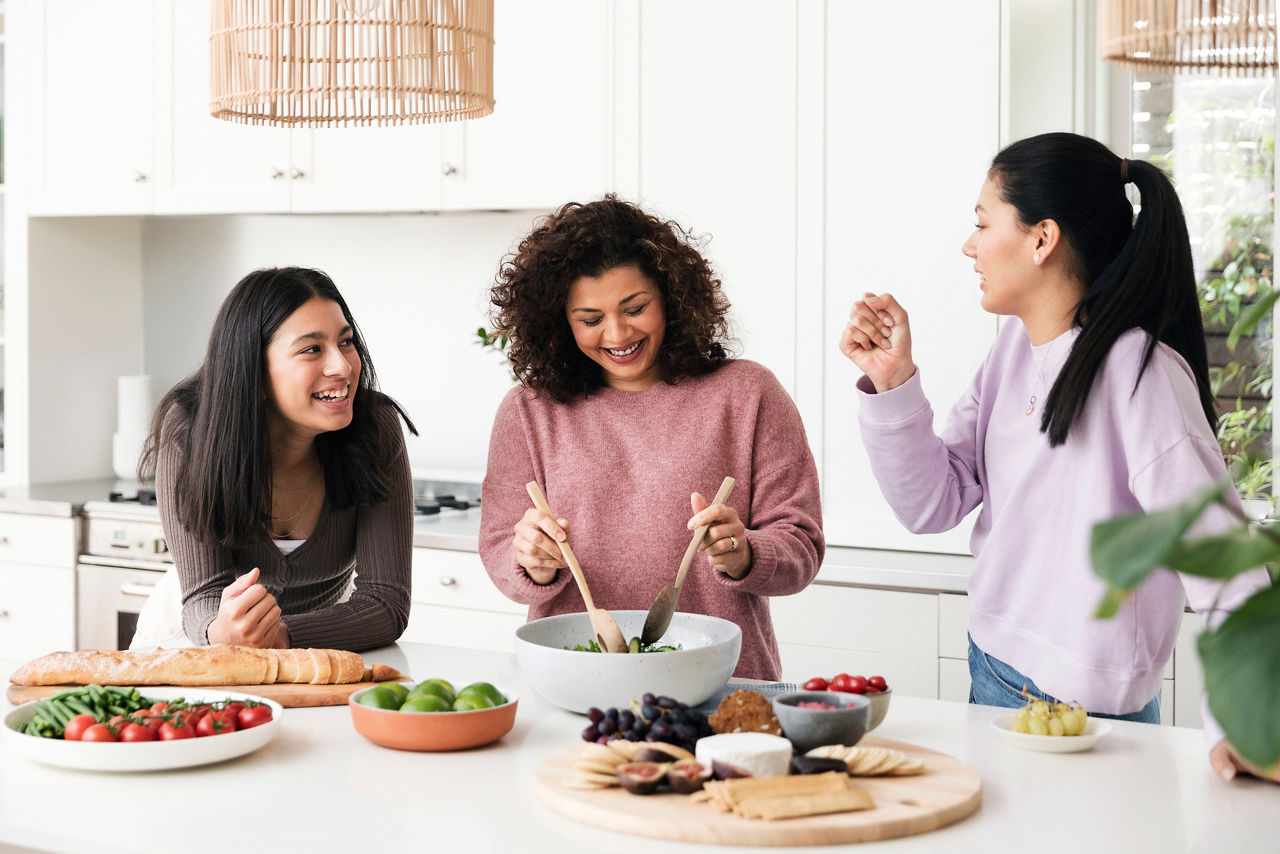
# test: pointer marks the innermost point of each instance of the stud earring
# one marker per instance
(1036, 257)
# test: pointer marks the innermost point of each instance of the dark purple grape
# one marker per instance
(685, 732)
(607, 726)
(648, 712)
(595, 715)
(665, 703)
(611, 713)
(590, 733)
(626, 718)
(640, 729)
(604, 739)
(651, 737)
(661, 730)
(648, 699)
(674, 717)
(635, 736)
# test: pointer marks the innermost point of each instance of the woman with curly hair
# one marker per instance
(629, 409)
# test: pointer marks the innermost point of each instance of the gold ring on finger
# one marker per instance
(733, 547)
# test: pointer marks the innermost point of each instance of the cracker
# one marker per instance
(818, 803)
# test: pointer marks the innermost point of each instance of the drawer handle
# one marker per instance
(4, 615)
(137, 589)
(448, 581)
(4, 541)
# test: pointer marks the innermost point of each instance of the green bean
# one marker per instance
(80, 706)
(61, 713)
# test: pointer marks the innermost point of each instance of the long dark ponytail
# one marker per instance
(1137, 273)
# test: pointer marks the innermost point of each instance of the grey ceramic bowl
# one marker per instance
(879, 708)
(810, 728)
(579, 680)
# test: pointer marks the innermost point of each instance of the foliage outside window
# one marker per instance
(1216, 137)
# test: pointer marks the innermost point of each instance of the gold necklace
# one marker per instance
(286, 533)
(1031, 402)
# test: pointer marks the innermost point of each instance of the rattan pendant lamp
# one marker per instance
(1227, 36)
(330, 63)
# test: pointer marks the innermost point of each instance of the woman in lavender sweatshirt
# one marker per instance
(629, 410)
(1093, 402)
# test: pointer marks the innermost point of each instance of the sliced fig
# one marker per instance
(817, 765)
(655, 753)
(687, 776)
(727, 771)
(641, 778)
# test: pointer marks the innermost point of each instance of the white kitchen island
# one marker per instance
(319, 786)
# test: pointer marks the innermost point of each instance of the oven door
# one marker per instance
(110, 593)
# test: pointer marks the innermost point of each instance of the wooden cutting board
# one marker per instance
(287, 694)
(946, 792)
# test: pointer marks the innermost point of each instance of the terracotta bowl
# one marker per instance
(432, 730)
(809, 728)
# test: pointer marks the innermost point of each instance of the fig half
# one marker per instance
(727, 771)
(817, 765)
(641, 778)
(687, 776)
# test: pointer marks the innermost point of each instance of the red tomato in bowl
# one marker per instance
(98, 732)
(77, 725)
(878, 683)
(176, 729)
(252, 716)
(216, 722)
(137, 732)
(817, 683)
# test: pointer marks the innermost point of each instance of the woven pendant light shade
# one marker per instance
(1231, 36)
(327, 63)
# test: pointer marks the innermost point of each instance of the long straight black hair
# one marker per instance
(223, 481)
(1137, 273)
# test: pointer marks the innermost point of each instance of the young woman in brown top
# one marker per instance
(281, 475)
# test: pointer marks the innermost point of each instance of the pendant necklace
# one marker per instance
(286, 526)
(1031, 401)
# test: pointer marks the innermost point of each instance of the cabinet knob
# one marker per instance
(450, 169)
(4, 541)
(447, 581)
(139, 177)
(298, 173)
(276, 173)
(4, 615)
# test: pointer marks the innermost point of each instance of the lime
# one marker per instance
(425, 703)
(471, 702)
(380, 697)
(398, 689)
(484, 689)
(438, 687)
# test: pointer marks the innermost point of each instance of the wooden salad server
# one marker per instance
(608, 635)
(659, 616)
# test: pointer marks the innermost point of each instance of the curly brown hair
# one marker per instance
(532, 288)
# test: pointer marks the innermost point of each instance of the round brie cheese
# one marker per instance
(760, 754)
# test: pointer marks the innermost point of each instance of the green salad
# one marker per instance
(633, 646)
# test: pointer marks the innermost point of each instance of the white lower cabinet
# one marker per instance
(827, 629)
(1182, 693)
(455, 604)
(37, 610)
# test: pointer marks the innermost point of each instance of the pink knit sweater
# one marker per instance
(620, 466)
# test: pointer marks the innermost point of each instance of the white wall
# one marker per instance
(416, 284)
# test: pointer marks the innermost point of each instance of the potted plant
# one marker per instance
(1241, 657)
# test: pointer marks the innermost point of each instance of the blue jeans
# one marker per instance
(994, 683)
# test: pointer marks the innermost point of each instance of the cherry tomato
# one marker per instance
(252, 716)
(170, 732)
(98, 732)
(871, 690)
(878, 683)
(137, 732)
(159, 707)
(857, 685)
(197, 713)
(817, 683)
(216, 722)
(117, 722)
(77, 725)
(234, 707)
(840, 682)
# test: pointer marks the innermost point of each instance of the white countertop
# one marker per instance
(319, 786)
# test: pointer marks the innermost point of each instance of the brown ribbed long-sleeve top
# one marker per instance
(375, 542)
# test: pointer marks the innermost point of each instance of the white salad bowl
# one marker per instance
(577, 681)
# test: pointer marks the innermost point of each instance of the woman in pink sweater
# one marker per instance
(629, 410)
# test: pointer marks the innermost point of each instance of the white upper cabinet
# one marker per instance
(91, 80)
(120, 94)
(904, 163)
(548, 140)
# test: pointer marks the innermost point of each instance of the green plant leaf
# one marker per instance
(1125, 550)
(1242, 677)
(1223, 555)
(1246, 322)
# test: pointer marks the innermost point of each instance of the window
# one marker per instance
(1216, 137)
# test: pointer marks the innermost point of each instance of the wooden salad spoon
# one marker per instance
(659, 616)
(608, 635)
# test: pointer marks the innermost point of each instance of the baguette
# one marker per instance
(221, 664)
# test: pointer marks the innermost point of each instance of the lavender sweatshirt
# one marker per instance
(1032, 591)
(620, 466)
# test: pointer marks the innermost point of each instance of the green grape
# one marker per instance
(1037, 726)
(1056, 726)
(1020, 724)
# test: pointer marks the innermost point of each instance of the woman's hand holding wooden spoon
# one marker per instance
(726, 545)
(536, 545)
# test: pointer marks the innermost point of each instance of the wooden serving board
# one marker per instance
(946, 792)
(287, 694)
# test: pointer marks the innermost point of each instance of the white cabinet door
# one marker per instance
(547, 141)
(717, 152)
(455, 603)
(902, 177)
(37, 610)
(213, 166)
(91, 94)
(364, 169)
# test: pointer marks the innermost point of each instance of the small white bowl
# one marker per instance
(1094, 730)
(578, 681)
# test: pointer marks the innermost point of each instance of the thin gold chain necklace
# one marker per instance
(286, 527)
